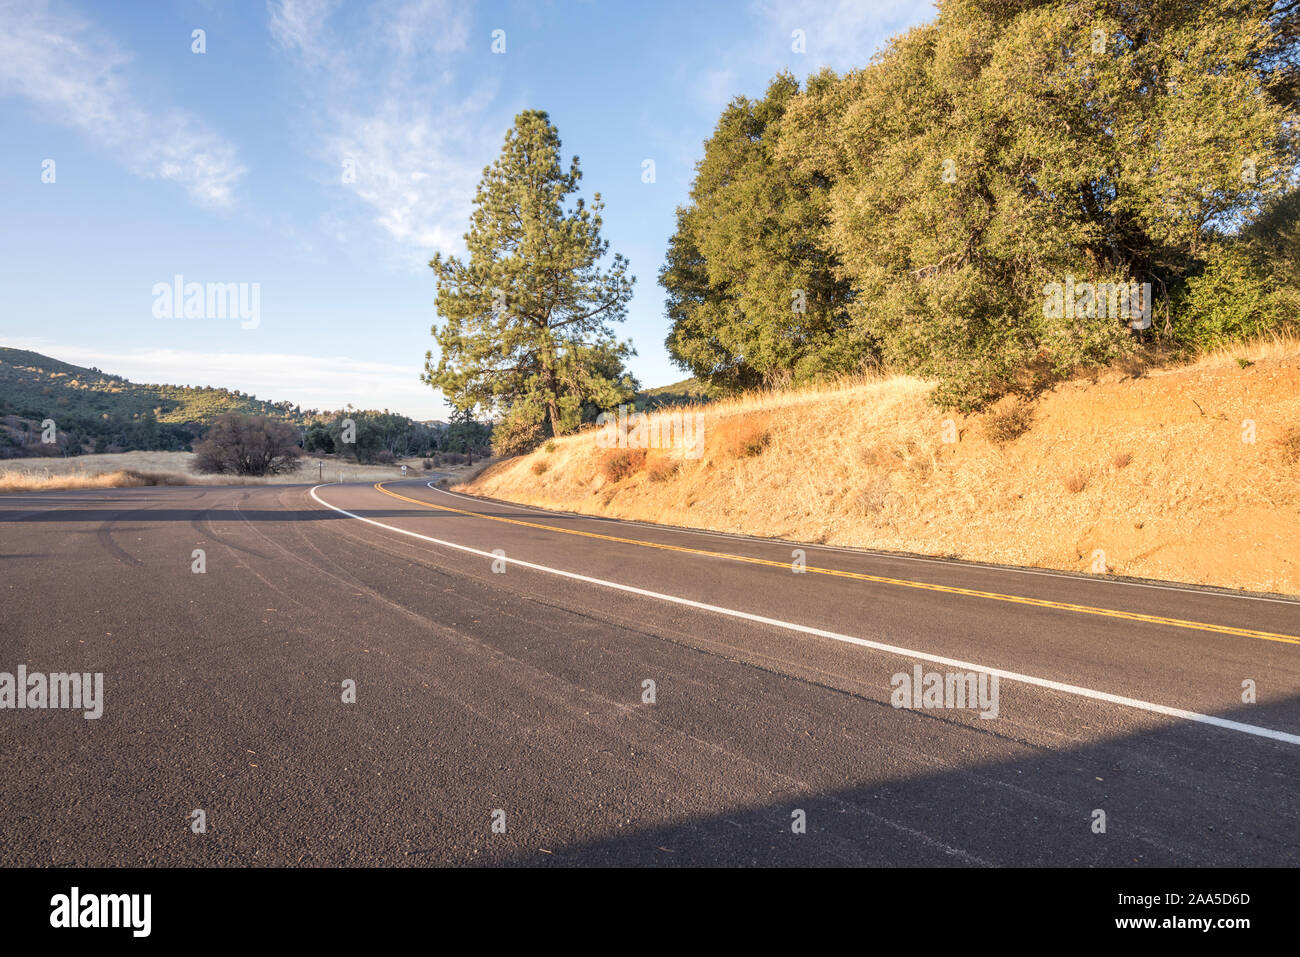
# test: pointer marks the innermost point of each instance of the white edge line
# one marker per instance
(844, 550)
(847, 639)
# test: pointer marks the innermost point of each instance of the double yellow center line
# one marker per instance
(878, 579)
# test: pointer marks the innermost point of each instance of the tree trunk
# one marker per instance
(552, 402)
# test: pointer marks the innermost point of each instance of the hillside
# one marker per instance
(1156, 474)
(686, 392)
(104, 412)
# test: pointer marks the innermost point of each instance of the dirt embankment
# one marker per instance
(1188, 474)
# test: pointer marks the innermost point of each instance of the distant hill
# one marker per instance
(678, 393)
(94, 410)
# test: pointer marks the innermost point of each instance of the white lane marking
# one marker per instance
(1106, 696)
(889, 556)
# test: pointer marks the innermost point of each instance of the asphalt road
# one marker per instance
(500, 657)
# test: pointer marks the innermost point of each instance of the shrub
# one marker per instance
(662, 469)
(427, 464)
(1009, 422)
(318, 438)
(1075, 483)
(618, 464)
(1123, 460)
(1290, 444)
(744, 439)
(385, 457)
(247, 445)
(540, 466)
(516, 435)
(1232, 299)
(551, 446)
(754, 443)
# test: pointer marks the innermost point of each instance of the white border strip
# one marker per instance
(847, 639)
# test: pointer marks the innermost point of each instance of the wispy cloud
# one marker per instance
(715, 88)
(313, 382)
(843, 34)
(397, 126)
(74, 74)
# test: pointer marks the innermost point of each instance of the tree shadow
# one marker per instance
(1182, 794)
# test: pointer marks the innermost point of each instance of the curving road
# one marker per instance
(501, 657)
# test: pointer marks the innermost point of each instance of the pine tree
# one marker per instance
(527, 320)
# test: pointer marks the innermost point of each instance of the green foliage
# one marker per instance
(938, 191)
(1274, 242)
(108, 413)
(1232, 299)
(527, 320)
(375, 436)
(752, 297)
(318, 438)
(516, 434)
(467, 436)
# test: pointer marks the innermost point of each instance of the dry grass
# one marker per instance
(1275, 345)
(1169, 489)
(12, 480)
(1290, 445)
(619, 464)
(1075, 482)
(1008, 421)
(128, 469)
(466, 473)
(662, 469)
(741, 437)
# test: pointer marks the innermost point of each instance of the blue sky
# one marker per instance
(229, 166)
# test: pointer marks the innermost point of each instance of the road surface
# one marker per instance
(542, 689)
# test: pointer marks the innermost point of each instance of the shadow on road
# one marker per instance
(1177, 795)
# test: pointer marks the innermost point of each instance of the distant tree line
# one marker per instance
(370, 436)
(21, 436)
(238, 444)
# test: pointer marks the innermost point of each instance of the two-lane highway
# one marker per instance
(538, 688)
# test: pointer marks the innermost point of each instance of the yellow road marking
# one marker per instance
(878, 579)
